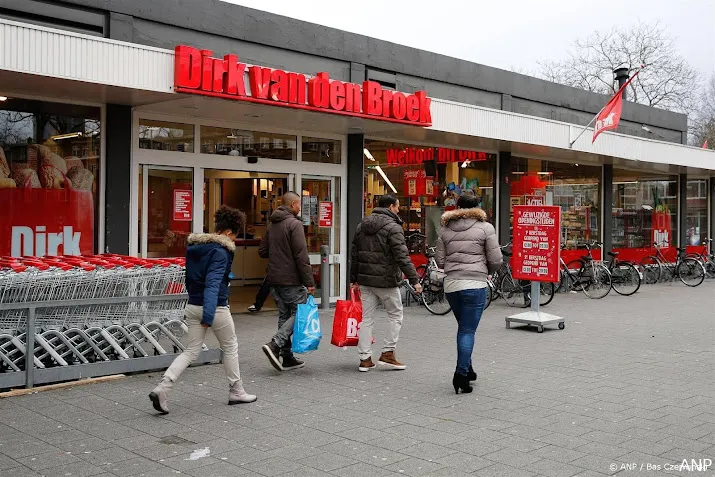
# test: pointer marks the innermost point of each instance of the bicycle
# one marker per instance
(625, 277)
(706, 257)
(688, 270)
(517, 293)
(585, 274)
(432, 280)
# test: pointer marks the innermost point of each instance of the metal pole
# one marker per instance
(587, 126)
(324, 277)
(30, 349)
(535, 295)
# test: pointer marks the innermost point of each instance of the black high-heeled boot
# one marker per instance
(472, 375)
(461, 382)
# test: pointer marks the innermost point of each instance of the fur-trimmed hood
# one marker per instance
(202, 239)
(475, 213)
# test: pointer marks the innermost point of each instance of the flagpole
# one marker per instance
(584, 129)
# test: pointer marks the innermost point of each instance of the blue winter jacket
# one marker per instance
(208, 266)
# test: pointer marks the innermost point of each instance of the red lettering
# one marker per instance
(463, 155)
(399, 106)
(260, 80)
(413, 108)
(371, 98)
(391, 156)
(425, 113)
(411, 155)
(318, 91)
(235, 83)
(386, 102)
(401, 157)
(352, 97)
(429, 154)
(420, 155)
(279, 85)
(296, 88)
(187, 67)
(337, 95)
(441, 155)
(206, 70)
(219, 69)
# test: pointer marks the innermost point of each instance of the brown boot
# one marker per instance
(387, 358)
(366, 365)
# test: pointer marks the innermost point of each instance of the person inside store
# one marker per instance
(208, 266)
(468, 251)
(261, 296)
(290, 276)
(379, 258)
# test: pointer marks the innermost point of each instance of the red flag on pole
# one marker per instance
(610, 115)
(705, 144)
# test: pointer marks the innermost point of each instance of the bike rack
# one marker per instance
(101, 349)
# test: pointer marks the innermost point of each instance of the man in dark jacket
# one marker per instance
(379, 257)
(290, 276)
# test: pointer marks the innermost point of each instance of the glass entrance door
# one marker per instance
(321, 215)
(165, 210)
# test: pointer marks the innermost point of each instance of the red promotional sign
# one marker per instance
(537, 243)
(534, 200)
(197, 72)
(419, 155)
(39, 222)
(415, 182)
(661, 229)
(182, 205)
(325, 214)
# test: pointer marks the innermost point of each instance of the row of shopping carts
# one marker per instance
(102, 312)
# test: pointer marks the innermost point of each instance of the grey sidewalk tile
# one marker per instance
(241, 456)
(327, 462)
(475, 447)
(19, 471)
(559, 454)
(597, 464)
(520, 443)
(75, 469)
(364, 470)
(47, 460)
(512, 457)
(273, 466)
(503, 470)
(414, 467)
(684, 443)
(460, 461)
(426, 450)
(183, 463)
(303, 471)
(554, 468)
(8, 463)
(604, 437)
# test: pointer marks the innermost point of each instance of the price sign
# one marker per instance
(537, 243)
(325, 214)
(182, 205)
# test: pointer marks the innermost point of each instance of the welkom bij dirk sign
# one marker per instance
(197, 72)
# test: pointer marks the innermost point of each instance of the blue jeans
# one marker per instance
(467, 306)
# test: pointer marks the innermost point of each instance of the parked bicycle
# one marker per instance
(625, 277)
(688, 270)
(432, 280)
(706, 257)
(585, 274)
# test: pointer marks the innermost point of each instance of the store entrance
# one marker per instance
(257, 195)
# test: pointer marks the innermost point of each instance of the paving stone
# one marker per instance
(503, 470)
(327, 462)
(461, 461)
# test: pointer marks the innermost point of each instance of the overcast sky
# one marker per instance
(509, 34)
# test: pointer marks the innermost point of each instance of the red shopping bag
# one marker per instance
(346, 323)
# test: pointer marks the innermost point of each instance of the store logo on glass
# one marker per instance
(197, 72)
(37, 242)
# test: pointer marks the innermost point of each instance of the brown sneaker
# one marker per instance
(387, 358)
(366, 365)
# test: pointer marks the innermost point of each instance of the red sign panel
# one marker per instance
(416, 155)
(415, 182)
(197, 72)
(182, 205)
(534, 200)
(325, 214)
(537, 243)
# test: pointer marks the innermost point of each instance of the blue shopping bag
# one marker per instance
(306, 330)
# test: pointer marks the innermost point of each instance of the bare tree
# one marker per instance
(703, 120)
(668, 82)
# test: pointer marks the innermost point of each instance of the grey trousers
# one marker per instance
(287, 299)
(392, 301)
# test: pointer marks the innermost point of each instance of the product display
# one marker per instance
(7, 184)
(4, 167)
(26, 177)
(80, 178)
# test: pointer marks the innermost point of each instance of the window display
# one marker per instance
(240, 142)
(427, 181)
(574, 188)
(49, 170)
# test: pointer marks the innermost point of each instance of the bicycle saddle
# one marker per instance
(613, 254)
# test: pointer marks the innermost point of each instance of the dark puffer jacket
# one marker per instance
(286, 250)
(208, 265)
(379, 254)
(468, 247)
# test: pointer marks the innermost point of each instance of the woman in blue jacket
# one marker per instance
(208, 265)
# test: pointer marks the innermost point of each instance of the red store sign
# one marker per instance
(197, 72)
(325, 214)
(182, 205)
(537, 243)
(415, 155)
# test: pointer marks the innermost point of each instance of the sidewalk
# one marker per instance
(629, 381)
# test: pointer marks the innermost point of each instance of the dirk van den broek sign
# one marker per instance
(197, 72)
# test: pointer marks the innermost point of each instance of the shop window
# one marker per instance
(574, 188)
(644, 210)
(49, 178)
(427, 181)
(240, 142)
(326, 151)
(166, 136)
(697, 219)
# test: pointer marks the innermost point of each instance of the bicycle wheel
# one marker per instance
(710, 269)
(625, 278)
(547, 290)
(599, 281)
(570, 281)
(652, 270)
(691, 272)
(513, 292)
(489, 297)
(433, 297)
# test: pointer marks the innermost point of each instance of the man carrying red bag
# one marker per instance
(379, 257)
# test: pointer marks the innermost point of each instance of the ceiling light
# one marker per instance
(66, 136)
(465, 164)
(517, 173)
(3, 98)
(387, 181)
(368, 155)
(545, 173)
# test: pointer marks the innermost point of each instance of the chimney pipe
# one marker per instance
(621, 75)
